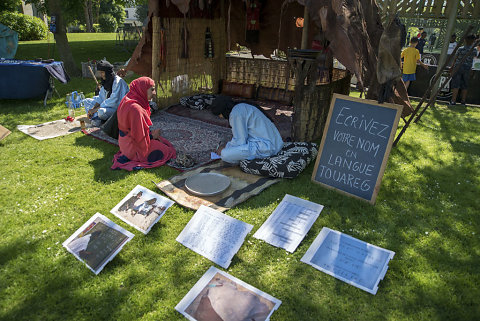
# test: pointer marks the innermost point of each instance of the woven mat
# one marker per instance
(4, 132)
(51, 129)
(242, 187)
(194, 137)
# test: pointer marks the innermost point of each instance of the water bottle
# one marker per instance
(81, 97)
(70, 105)
(71, 110)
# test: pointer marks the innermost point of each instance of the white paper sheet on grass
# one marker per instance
(81, 240)
(206, 281)
(51, 129)
(136, 215)
(289, 223)
(349, 259)
(214, 235)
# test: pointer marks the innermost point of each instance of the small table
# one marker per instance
(27, 79)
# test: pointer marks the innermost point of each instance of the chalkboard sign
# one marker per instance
(356, 142)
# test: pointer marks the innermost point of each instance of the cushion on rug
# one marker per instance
(238, 89)
(198, 102)
(292, 159)
(275, 94)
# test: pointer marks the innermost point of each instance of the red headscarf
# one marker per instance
(138, 92)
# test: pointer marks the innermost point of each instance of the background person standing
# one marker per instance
(460, 78)
(452, 44)
(431, 41)
(411, 57)
(421, 42)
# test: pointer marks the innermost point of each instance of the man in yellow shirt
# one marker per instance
(411, 57)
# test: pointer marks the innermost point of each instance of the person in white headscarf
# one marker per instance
(254, 133)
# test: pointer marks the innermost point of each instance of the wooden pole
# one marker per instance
(452, 16)
(93, 75)
(306, 21)
(156, 35)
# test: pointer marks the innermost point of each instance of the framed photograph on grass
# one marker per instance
(142, 208)
(220, 296)
(97, 242)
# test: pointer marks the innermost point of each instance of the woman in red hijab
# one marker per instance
(139, 147)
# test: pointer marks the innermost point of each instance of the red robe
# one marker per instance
(137, 148)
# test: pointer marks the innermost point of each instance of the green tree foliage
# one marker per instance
(141, 12)
(114, 8)
(28, 28)
(10, 5)
(107, 23)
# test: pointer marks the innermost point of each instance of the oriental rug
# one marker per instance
(51, 129)
(193, 137)
(280, 113)
(242, 187)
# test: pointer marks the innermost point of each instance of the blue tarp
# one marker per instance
(23, 79)
(8, 42)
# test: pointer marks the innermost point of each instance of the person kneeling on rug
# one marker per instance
(113, 89)
(139, 146)
(254, 133)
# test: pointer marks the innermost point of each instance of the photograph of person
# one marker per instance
(218, 296)
(141, 208)
(97, 242)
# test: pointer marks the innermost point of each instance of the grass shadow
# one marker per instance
(101, 166)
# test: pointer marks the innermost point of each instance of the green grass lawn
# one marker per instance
(84, 46)
(427, 211)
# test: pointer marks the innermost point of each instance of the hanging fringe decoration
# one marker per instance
(282, 11)
(209, 52)
(253, 21)
(163, 50)
(228, 25)
(184, 53)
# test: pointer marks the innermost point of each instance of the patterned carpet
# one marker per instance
(193, 137)
(280, 113)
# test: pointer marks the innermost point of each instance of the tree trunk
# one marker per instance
(55, 9)
(87, 16)
(97, 11)
(87, 9)
(90, 15)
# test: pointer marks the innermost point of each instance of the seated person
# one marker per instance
(139, 147)
(113, 89)
(254, 134)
